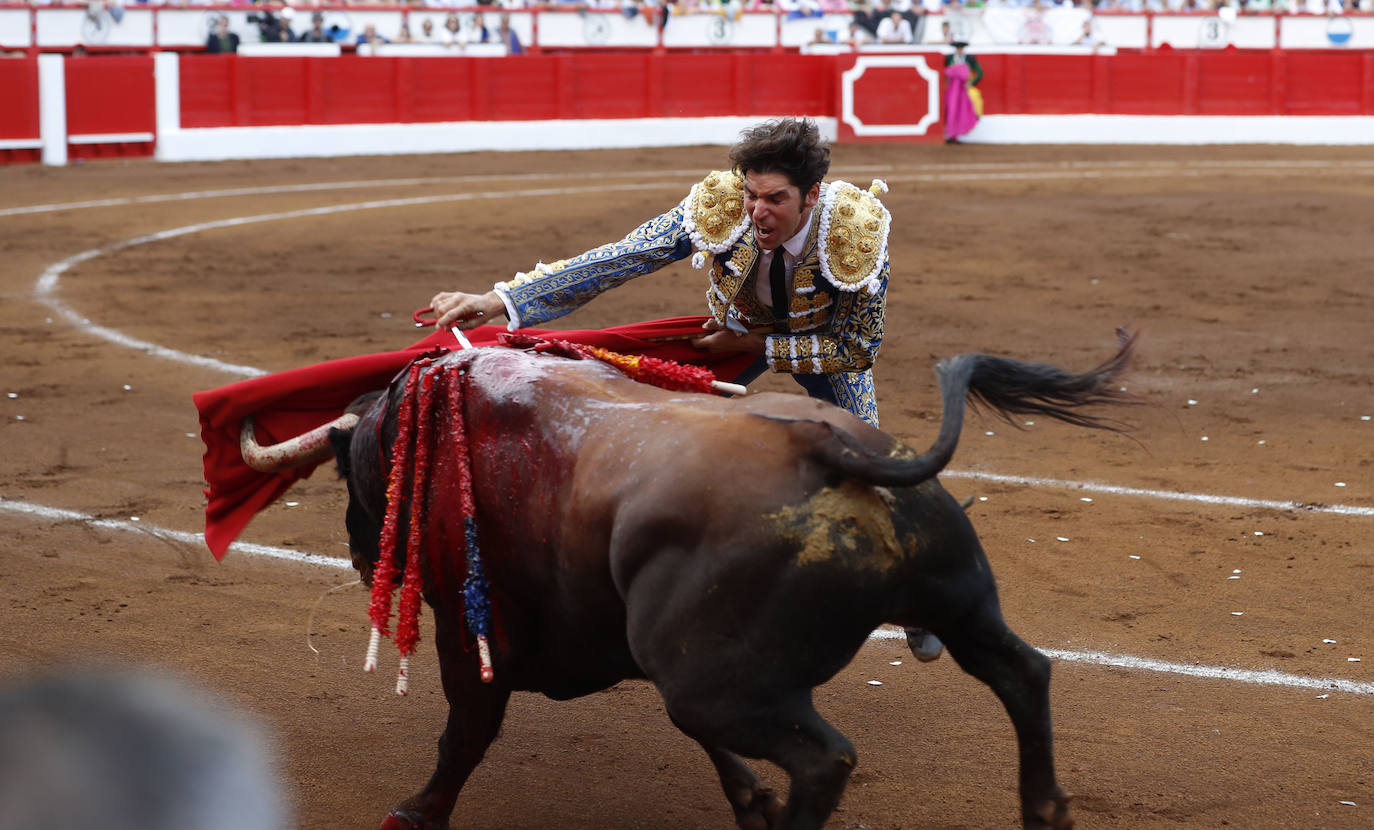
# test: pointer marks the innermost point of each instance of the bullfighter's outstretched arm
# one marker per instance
(547, 292)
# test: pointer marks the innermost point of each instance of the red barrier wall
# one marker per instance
(226, 90)
(116, 94)
(19, 114)
(221, 91)
(1169, 82)
(110, 95)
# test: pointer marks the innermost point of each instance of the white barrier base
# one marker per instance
(1173, 129)
(224, 143)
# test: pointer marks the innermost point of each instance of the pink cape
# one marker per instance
(960, 116)
(286, 404)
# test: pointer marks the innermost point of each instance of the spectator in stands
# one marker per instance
(317, 33)
(404, 36)
(1088, 37)
(427, 33)
(866, 17)
(221, 40)
(858, 35)
(911, 11)
(370, 37)
(798, 9)
(963, 73)
(505, 35)
(284, 33)
(453, 36)
(895, 29)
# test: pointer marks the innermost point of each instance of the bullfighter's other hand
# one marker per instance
(724, 340)
(466, 311)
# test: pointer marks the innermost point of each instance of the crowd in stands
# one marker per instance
(276, 27)
(792, 8)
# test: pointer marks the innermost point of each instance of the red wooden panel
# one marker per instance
(111, 94)
(358, 90)
(19, 115)
(522, 88)
(207, 90)
(890, 95)
(994, 85)
(1368, 62)
(608, 85)
(275, 90)
(1234, 83)
(789, 83)
(1053, 84)
(1324, 83)
(697, 85)
(443, 89)
(1146, 84)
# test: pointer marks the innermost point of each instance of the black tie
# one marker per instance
(777, 281)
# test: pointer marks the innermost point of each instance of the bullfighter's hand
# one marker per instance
(466, 311)
(724, 340)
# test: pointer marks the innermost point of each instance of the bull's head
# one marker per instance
(364, 467)
(334, 438)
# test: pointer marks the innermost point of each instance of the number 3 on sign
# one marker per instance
(1214, 33)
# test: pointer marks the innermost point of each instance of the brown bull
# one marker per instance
(735, 552)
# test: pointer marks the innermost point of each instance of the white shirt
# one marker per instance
(900, 32)
(793, 250)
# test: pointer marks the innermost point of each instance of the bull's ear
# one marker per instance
(342, 442)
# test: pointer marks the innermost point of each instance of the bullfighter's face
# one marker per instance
(777, 208)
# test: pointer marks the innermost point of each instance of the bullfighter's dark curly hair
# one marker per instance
(791, 146)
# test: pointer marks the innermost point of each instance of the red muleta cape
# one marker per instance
(286, 404)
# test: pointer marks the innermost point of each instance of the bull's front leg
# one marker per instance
(475, 712)
(1020, 676)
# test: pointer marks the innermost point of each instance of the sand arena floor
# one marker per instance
(1247, 271)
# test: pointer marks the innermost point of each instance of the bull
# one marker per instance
(736, 553)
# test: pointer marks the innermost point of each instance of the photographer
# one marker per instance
(221, 40)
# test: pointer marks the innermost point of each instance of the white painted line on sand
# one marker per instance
(989, 171)
(1126, 661)
(1262, 678)
(57, 514)
(1200, 498)
(45, 290)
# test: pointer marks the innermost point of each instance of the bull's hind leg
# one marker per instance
(1019, 675)
(475, 712)
(786, 731)
(756, 806)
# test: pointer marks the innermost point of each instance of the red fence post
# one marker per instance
(1367, 90)
(1101, 69)
(1190, 83)
(654, 67)
(1278, 84)
(238, 90)
(403, 86)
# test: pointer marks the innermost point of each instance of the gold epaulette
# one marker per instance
(715, 217)
(853, 236)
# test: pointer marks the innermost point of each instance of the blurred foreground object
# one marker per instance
(118, 751)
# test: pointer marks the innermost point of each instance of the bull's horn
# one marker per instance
(308, 448)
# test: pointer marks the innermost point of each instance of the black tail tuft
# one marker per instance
(1009, 387)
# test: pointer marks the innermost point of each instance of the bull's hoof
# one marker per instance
(1051, 815)
(408, 820)
(762, 811)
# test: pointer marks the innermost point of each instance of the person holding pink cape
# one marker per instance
(964, 73)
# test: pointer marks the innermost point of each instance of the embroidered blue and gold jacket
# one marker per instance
(839, 286)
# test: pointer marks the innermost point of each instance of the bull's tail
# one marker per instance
(1007, 387)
